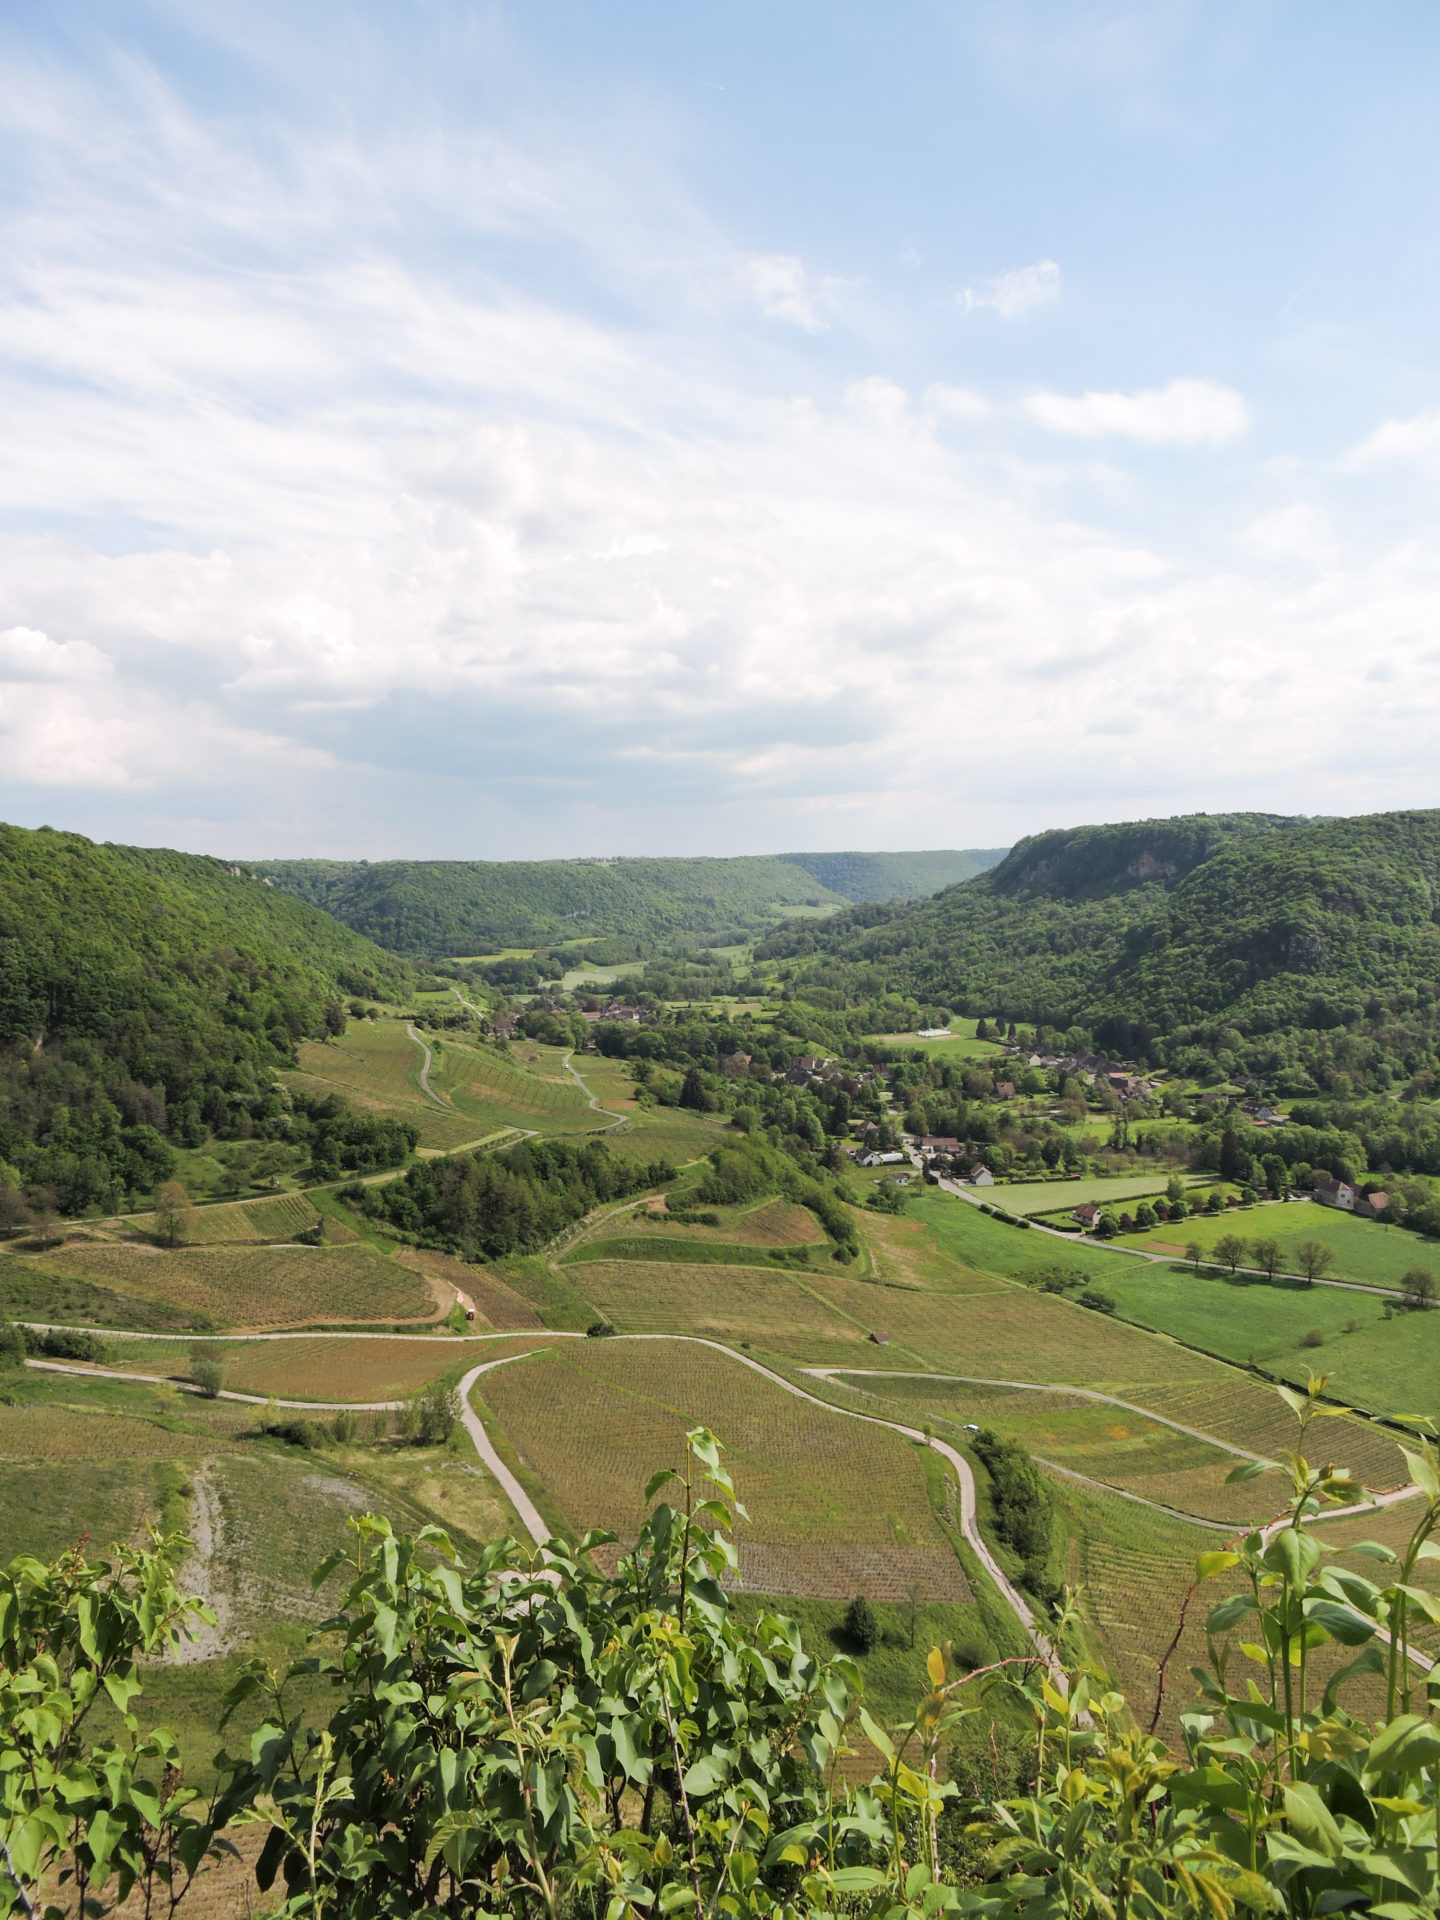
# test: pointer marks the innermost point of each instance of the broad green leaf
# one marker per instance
(658, 1480)
(1207, 1565)
(935, 1667)
(856, 1879)
(1311, 1820)
(1422, 1472)
(1249, 1470)
(877, 1736)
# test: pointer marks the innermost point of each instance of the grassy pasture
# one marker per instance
(907, 1252)
(251, 1286)
(1369, 1251)
(1059, 1196)
(1385, 1366)
(987, 1245)
(832, 1501)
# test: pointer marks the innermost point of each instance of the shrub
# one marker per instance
(207, 1370)
(345, 1427)
(430, 1416)
(66, 1343)
(862, 1629)
(1314, 1338)
(1097, 1299)
(599, 1330)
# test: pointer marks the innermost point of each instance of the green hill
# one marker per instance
(1291, 945)
(894, 876)
(441, 908)
(140, 988)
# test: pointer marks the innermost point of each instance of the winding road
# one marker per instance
(536, 1527)
(425, 1065)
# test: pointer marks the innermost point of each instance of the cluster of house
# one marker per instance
(1331, 1192)
(1094, 1069)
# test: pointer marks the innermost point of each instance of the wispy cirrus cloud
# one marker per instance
(1016, 294)
(1186, 413)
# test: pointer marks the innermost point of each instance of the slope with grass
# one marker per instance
(1369, 1252)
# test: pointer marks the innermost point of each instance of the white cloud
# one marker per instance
(1414, 439)
(354, 548)
(28, 654)
(956, 403)
(1184, 413)
(881, 399)
(1300, 532)
(1015, 294)
(779, 285)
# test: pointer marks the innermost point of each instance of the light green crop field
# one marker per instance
(335, 1370)
(1131, 1568)
(1108, 1444)
(529, 1088)
(375, 1065)
(1365, 1250)
(236, 1222)
(1385, 1366)
(1058, 1196)
(245, 1286)
(835, 1505)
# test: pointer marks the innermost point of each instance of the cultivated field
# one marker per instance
(1108, 1444)
(833, 1504)
(496, 1305)
(326, 1369)
(376, 1066)
(251, 1286)
(236, 1222)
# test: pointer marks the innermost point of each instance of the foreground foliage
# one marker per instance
(529, 1736)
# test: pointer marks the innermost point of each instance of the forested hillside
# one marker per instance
(441, 908)
(142, 994)
(894, 876)
(1296, 948)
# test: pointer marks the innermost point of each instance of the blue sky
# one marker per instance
(549, 429)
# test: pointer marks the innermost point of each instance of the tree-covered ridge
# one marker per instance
(440, 908)
(1287, 943)
(143, 994)
(895, 876)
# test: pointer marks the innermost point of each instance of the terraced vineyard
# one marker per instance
(252, 1286)
(832, 1499)
(238, 1222)
(375, 1065)
(1108, 1444)
(496, 1304)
